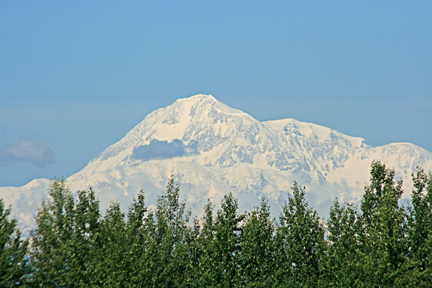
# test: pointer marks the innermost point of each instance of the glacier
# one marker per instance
(212, 149)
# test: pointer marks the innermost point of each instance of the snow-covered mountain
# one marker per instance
(212, 149)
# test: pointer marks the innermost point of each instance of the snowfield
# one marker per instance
(212, 149)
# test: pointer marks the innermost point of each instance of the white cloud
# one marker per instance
(37, 152)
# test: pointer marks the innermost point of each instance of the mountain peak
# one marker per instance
(212, 149)
(201, 130)
(198, 97)
(202, 102)
(194, 100)
(182, 120)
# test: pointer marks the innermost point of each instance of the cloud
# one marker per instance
(163, 150)
(37, 152)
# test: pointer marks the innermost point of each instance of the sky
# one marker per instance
(76, 76)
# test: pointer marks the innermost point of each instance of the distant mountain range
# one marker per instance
(212, 149)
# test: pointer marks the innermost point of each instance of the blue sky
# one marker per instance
(76, 76)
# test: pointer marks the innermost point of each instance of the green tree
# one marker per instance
(85, 240)
(139, 228)
(418, 270)
(227, 249)
(167, 247)
(343, 265)
(63, 243)
(50, 252)
(257, 247)
(13, 264)
(204, 261)
(191, 254)
(110, 265)
(384, 227)
(300, 238)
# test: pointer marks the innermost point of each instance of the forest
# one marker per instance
(380, 243)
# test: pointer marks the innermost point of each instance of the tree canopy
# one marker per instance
(74, 244)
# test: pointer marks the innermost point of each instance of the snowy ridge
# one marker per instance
(212, 149)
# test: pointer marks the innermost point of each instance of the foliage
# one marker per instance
(418, 269)
(258, 247)
(383, 234)
(343, 265)
(300, 241)
(381, 244)
(13, 264)
(227, 244)
(65, 243)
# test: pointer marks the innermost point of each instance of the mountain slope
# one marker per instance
(212, 149)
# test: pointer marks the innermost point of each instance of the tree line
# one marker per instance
(378, 244)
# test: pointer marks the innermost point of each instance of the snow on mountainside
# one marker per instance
(212, 149)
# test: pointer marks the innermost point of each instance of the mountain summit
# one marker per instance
(212, 149)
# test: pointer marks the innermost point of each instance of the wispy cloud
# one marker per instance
(36, 152)
(164, 150)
